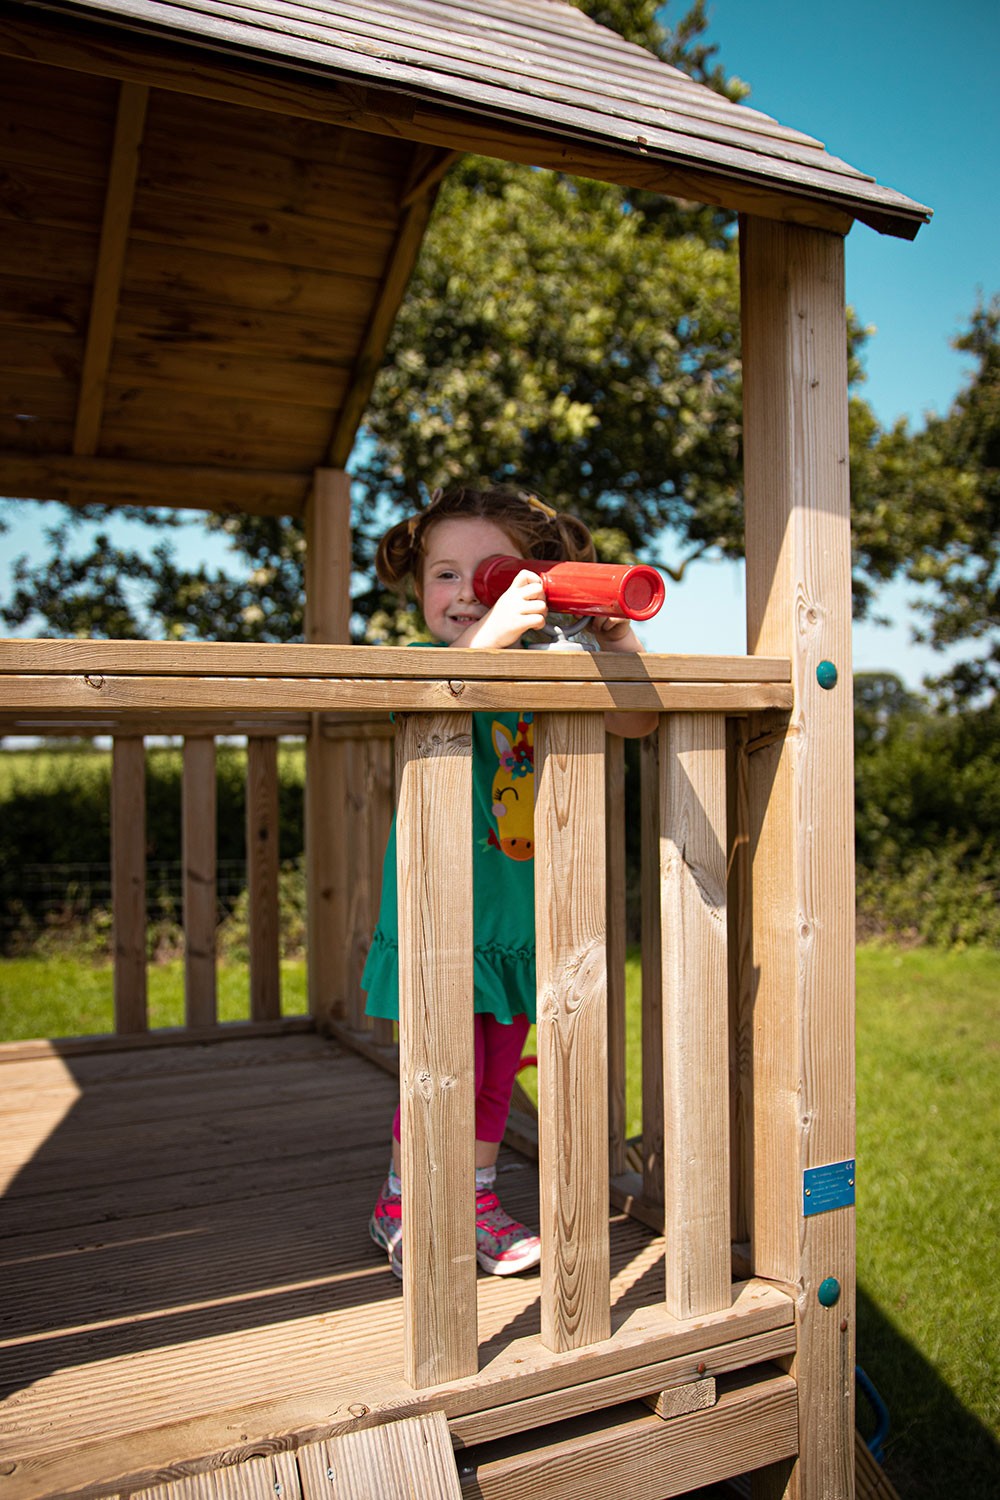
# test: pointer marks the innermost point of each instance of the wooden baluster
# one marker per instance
(652, 977)
(570, 922)
(381, 800)
(359, 919)
(695, 1014)
(128, 882)
(262, 878)
(614, 764)
(437, 1073)
(739, 897)
(198, 838)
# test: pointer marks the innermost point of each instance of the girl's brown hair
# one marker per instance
(535, 529)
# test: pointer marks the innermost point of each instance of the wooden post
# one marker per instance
(570, 917)
(328, 615)
(128, 882)
(262, 878)
(695, 1014)
(198, 838)
(800, 792)
(436, 1061)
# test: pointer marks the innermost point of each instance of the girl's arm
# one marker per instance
(617, 635)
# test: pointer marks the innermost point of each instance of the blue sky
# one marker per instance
(905, 90)
(902, 89)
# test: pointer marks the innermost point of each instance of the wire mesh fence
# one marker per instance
(43, 903)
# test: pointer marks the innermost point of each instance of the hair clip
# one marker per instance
(537, 504)
(437, 495)
(411, 526)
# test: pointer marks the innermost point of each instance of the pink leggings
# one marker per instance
(498, 1052)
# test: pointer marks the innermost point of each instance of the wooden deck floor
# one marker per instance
(185, 1267)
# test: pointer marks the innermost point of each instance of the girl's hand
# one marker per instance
(614, 634)
(521, 608)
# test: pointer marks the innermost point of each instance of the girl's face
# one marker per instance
(453, 551)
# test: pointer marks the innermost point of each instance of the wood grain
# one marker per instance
(92, 695)
(263, 827)
(122, 174)
(128, 882)
(434, 861)
(328, 840)
(630, 1452)
(695, 1013)
(203, 658)
(396, 1461)
(198, 853)
(614, 774)
(801, 809)
(651, 1145)
(679, 164)
(570, 928)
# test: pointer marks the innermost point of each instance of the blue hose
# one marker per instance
(876, 1443)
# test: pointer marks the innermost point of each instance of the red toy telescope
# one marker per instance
(634, 591)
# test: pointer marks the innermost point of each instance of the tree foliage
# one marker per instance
(578, 337)
(582, 339)
(927, 505)
(928, 815)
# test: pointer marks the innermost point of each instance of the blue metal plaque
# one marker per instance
(829, 1187)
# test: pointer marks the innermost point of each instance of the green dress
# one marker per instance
(503, 879)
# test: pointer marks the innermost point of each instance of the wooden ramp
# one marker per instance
(407, 1460)
(187, 1281)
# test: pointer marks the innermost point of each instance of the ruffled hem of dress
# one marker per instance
(504, 981)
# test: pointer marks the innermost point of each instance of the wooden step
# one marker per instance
(628, 1451)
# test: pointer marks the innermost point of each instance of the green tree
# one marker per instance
(927, 506)
(928, 815)
(595, 357)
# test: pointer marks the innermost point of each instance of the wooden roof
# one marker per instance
(211, 210)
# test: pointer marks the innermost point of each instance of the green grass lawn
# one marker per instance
(60, 997)
(928, 1117)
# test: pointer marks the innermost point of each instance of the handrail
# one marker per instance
(685, 862)
(72, 657)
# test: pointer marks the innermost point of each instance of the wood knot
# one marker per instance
(456, 688)
(96, 681)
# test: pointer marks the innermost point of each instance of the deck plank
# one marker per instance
(188, 1279)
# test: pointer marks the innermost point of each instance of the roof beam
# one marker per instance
(82, 479)
(429, 168)
(120, 195)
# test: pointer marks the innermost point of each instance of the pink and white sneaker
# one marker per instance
(503, 1246)
(386, 1227)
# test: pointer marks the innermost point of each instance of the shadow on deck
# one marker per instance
(186, 1264)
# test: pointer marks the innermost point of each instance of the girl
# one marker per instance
(439, 550)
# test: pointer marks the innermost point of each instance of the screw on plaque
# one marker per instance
(826, 675)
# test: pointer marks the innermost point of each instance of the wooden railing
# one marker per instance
(199, 885)
(691, 838)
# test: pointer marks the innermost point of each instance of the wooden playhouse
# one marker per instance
(210, 212)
